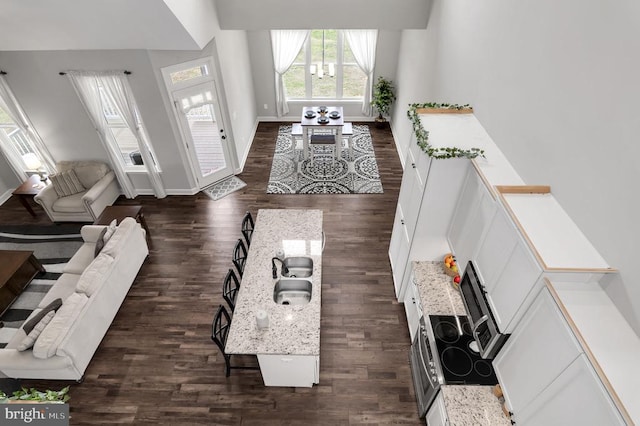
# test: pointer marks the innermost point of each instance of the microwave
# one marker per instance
(484, 328)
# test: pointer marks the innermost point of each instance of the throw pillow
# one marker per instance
(111, 229)
(66, 183)
(30, 325)
(100, 242)
(33, 335)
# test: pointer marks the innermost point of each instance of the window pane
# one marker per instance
(294, 82)
(188, 74)
(127, 144)
(353, 82)
(4, 118)
(322, 84)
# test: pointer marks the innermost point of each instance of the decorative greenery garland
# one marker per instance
(422, 136)
(32, 394)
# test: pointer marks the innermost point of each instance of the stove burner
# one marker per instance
(447, 332)
(456, 361)
(483, 368)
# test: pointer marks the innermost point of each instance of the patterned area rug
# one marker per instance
(224, 187)
(291, 174)
(53, 246)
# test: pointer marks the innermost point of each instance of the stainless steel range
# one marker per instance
(444, 352)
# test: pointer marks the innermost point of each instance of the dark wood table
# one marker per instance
(17, 269)
(29, 189)
(120, 212)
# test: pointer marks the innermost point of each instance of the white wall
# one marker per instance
(264, 76)
(297, 14)
(56, 112)
(555, 85)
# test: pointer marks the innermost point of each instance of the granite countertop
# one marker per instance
(437, 295)
(473, 406)
(293, 329)
(465, 405)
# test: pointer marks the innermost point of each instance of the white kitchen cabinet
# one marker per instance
(410, 195)
(399, 251)
(575, 397)
(519, 278)
(474, 210)
(538, 351)
(412, 306)
(495, 248)
(290, 370)
(422, 162)
(437, 414)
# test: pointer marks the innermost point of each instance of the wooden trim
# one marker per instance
(524, 189)
(593, 270)
(587, 351)
(444, 111)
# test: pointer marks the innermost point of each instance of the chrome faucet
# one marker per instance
(274, 270)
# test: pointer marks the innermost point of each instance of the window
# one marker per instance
(325, 68)
(125, 141)
(19, 142)
(189, 74)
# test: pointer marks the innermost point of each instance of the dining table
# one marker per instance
(325, 118)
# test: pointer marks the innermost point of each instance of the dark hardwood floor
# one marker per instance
(157, 363)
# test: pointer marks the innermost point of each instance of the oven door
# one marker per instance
(425, 381)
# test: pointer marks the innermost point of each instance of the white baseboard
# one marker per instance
(4, 197)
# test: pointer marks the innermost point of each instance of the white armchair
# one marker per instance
(102, 190)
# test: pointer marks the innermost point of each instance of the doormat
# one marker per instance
(53, 246)
(292, 174)
(224, 187)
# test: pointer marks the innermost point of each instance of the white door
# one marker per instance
(203, 132)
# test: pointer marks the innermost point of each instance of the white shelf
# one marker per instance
(555, 237)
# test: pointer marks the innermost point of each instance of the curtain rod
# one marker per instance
(64, 73)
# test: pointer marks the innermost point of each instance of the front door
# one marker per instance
(203, 132)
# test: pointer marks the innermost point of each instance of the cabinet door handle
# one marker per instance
(413, 165)
(401, 221)
(413, 299)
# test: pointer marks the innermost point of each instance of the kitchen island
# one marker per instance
(288, 350)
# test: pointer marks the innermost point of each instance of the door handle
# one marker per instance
(223, 137)
(413, 165)
(482, 320)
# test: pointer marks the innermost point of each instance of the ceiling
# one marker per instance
(106, 24)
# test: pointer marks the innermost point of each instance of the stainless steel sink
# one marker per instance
(292, 291)
(299, 267)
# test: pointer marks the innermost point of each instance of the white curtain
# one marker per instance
(286, 45)
(10, 105)
(363, 46)
(86, 86)
(118, 89)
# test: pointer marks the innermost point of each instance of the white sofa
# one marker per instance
(92, 290)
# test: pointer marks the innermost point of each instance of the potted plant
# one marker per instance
(383, 97)
(25, 395)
